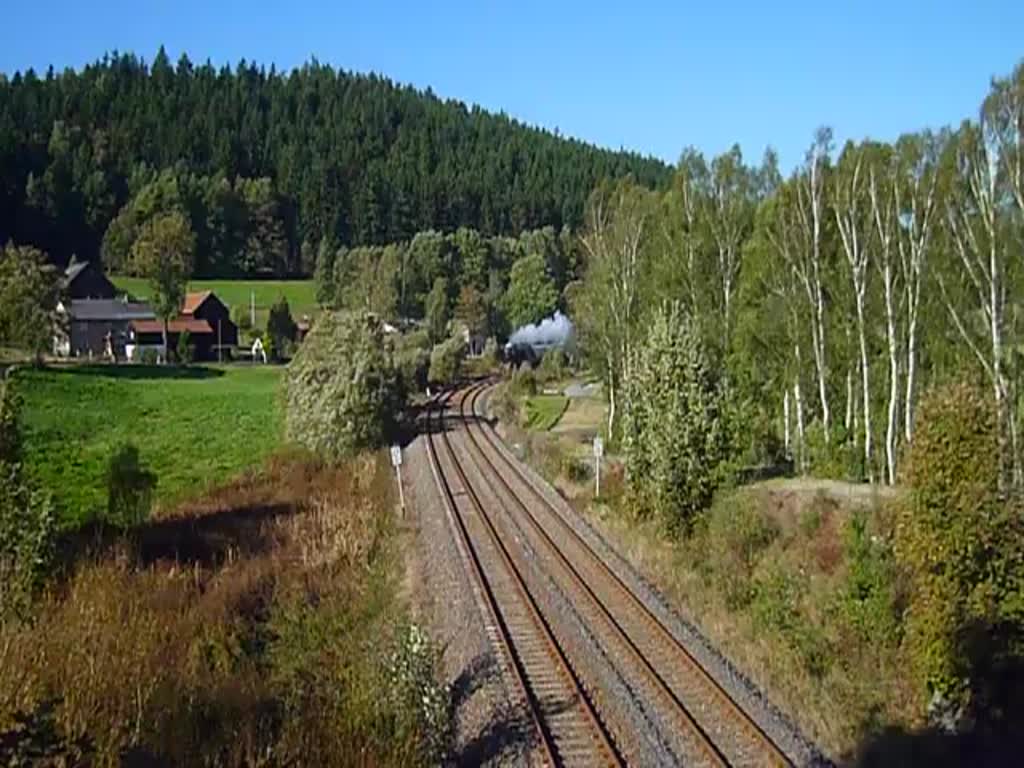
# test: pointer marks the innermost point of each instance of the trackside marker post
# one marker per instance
(598, 453)
(396, 462)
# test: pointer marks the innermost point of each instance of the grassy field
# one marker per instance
(301, 294)
(192, 427)
(544, 411)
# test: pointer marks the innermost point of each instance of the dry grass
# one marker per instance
(839, 687)
(243, 628)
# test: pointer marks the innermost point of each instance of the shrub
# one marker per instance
(736, 536)
(413, 668)
(838, 458)
(446, 360)
(776, 606)
(412, 358)
(576, 469)
(28, 525)
(505, 404)
(674, 432)
(129, 488)
(184, 350)
(524, 381)
(413, 366)
(242, 317)
(281, 328)
(961, 540)
(10, 433)
(489, 356)
(341, 390)
(552, 365)
(869, 592)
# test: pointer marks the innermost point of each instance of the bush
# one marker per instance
(28, 526)
(10, 433)
(342, 392)
(413, 366)
(552, 366)
(524, 382)
(145, 356)
(184, 350)
(776, 606)
(446, 360)
(961, 539)
(577, 470)
(838, 459)
(413, 672)
(129, 488)
(412, 358)
(737, 534)
(489, 356)
(242, 317)
(505, 404)
(869, 593)
(281, 328)
(674, 431)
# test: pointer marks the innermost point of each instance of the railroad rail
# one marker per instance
(562, 715)
(721, 730)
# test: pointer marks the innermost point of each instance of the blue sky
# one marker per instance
(649, 76)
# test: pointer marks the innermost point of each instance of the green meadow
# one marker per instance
(192, 426)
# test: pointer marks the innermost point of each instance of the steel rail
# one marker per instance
(554, 752)
(773, 753)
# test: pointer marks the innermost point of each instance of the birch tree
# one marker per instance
(609, 304)
(730, 214)
(916, 192)
(975, 290)
(852, 219)
(797, 235)
(882, 185)
(683, 231)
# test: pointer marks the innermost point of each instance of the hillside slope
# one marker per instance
(353, 156)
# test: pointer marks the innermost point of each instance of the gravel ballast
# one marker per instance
(489, 729)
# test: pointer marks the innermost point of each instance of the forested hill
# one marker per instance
(318, 150)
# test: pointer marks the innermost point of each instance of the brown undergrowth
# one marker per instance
(255, 625)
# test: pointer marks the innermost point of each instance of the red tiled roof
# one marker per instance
(193, 301)
(177, 325)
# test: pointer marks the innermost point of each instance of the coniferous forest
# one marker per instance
(266, 164)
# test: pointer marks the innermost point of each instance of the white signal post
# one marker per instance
(598, 453)
(396, 462)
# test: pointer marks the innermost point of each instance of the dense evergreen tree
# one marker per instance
(263, 162)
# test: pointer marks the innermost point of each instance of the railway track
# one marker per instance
(703, 721)
(561, 714)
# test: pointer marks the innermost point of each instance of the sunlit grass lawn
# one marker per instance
(301, 294)
(544, 411)
(192, 427)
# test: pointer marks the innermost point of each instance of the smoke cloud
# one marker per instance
(554, 331)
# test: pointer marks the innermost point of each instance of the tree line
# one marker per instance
(493, 285)
(832, 298)
(266, 163)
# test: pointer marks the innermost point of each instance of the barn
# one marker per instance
(205, 317)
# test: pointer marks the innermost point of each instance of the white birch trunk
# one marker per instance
(849, 220)
(785, 422)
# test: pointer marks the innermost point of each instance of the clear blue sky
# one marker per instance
(652, 77)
